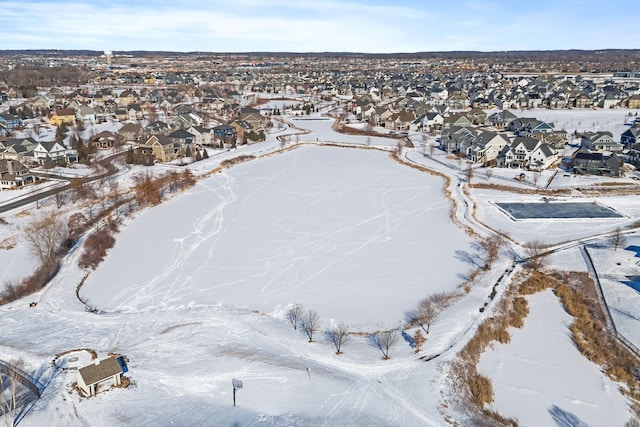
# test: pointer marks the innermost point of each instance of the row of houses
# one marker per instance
(30, 151)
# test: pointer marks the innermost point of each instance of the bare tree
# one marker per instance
(418, 340)
(633, 422)
(617, 239)
(469, 173)
(60, 197)
(536, 254)
(492, 246)
(148, 190)
(426, 314)
(338, 335)
(488, 173)
(44, 236)
(77, 188)
(310, 324)
(294, 314)
(384, 341)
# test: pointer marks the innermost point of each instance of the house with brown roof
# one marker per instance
(65, 115)
(101, 375)
(13, 174)
(163, 148)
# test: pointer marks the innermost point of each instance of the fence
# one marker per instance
(19, 390)
(603, 303)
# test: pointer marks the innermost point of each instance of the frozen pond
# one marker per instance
(557, 210)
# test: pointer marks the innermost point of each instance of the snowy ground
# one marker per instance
(274, 231)
(282, 230)
(543, 350)
(619, 274)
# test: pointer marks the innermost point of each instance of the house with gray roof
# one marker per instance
(585, 163)
(101, 375)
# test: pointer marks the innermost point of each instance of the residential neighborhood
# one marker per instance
(479, 116)
(194, 210)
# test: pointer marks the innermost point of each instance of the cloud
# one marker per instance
(303, 26)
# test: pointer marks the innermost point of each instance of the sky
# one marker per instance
(373, 26)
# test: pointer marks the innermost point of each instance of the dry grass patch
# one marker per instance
(577, 294)
(8, 244)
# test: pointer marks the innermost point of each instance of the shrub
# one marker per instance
(96, 247)
(481, 390)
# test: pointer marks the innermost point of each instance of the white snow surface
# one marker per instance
(543, 351)
(318, 221)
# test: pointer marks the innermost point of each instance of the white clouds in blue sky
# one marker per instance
(318, 25)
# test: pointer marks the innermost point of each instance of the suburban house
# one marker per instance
(633, 155)
(45, 151)
(43, 103)
(13, 174)
(101, 375)
(500, 119)
(241, 127)
(158, 127)
(163, 148)
(542, 157)
(104, 139)
(86, 115)
(524, 126)
(131, 132)
(20, 149)
(201, 134)
(630, 136)
(186, 120)
(456, 120)
(10, 121)
(65, 115)
(600, 141)
(399, 121)
(224, 134)
(253, 117)
(182, 137)
(457, 138)
(477, 116)
(487, 146)
(134, 112)
(521, 154)
(128, 97)
(584, 163)
(432, 121)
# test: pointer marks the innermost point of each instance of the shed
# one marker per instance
(102, 373)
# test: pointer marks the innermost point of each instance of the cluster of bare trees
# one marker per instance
(309, 322)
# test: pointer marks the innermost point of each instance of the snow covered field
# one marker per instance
(346, 232)
(543, 352)
(293, 228)
(619, 273)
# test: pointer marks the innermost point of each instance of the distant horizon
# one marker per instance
(425, 52)
(317, 26)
